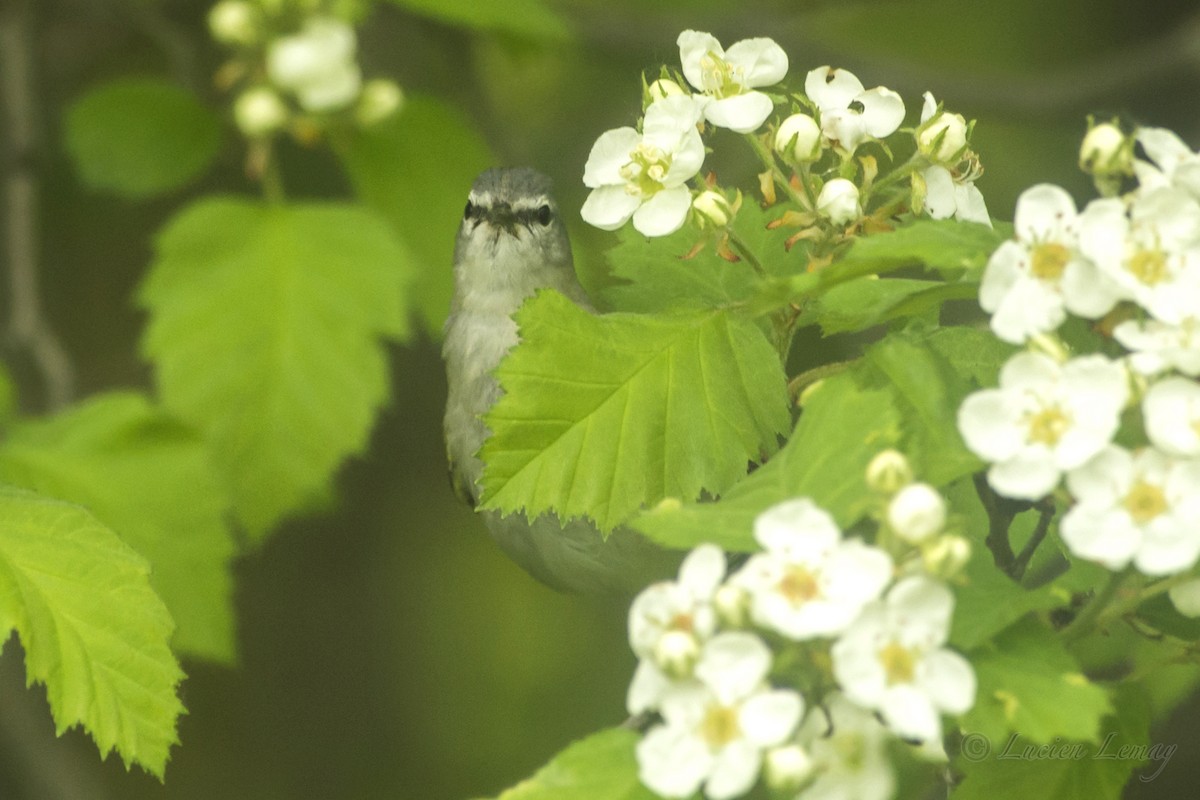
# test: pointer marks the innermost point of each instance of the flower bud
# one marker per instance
(917, 513)
(799, 137)
(676, 653)
(732, 605)
(235, 22)
(713, 208)
(943, 138)
(259, 112)
(946, 557)
(889, 472)
(380, 99)
(838, 201)
(1106, 151)
(663, 88)
(317, 64)
(1186, 597)
(788, 768)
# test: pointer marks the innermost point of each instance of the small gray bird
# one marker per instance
(511, 243)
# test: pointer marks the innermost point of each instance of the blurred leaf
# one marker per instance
(974, 353)
(843, 426)
(266, 326)
(415, 169)
(139, 137)
(93, 630)
(601, 414)
(656, 277)
(531, 19)
(600, 767)
(868, 301)
(148, 477)
(1029, 684)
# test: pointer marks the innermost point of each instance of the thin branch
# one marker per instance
(1045, 516)
(27, 326)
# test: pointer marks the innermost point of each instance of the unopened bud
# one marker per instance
(380, 99)
(946, 557)
(788, 768)
(799, 137)
(1186, 597)
(838, 201)
(259, 112)
(663, 88)
(713, 208)
(943, 138)
(676, 653)
(889, 472)
(917, 513)
(235, 22)
(732, 605)
(1106, 151)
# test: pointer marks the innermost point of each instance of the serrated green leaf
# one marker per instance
(656, 277)
(1017, 767)
(1029, 684)
(532, 19)
(867, 301)
(148, 477)
(139, 137)
(415, 169)
(843, 426)
(600, 767)
(93, 630)
(266, 329)
(602, 414)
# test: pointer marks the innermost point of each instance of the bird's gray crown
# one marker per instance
(520, 187)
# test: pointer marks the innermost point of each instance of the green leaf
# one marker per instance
(600, 767)
(266, 327)
(531, 19)
(843, 426)
(93, 630)
(974, 353)
(146, 476)
(415, 169)
(656, 277)
(139, 137)
(1015, 766)
(1029, 684)
(868, 301)
(602, 414)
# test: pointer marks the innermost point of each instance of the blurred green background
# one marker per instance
(387, 649)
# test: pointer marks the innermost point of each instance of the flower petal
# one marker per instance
(609, 153)
(832, 88)
(662, 214)
(762, 62)
(909, 712)
(693, 47)
(742, 113)
(1044, 212)
(672, 762)
(609, 207)
(703, 569)
(971, 207)
(1029, 476)
(733, 664)
(768, 718)
(883, 111)
(948, 680)
(733, 771)
(939, 192)
(986, 420)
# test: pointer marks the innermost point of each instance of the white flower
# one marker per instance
(1032, 281)
(809, 582)
(941, 136)
(838, 201)
(1171, 409)
(1151, 251)
(892, 660)
(668, 623)
(947, 196)
(917, 513)
(730, 77)
(849, 750)
(1105, 151)
(380, 99)
(715, 729)
(1140, 507)
(837, 92)
(1043, 419)
(1186, 597)
(799, 137)
(787, 768)
(644, 176)
(1159, 346)
(1177, 164)
(317, 64)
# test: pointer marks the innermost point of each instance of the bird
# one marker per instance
(511, 244)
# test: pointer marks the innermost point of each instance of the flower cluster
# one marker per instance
(815, 152)
(1054, 420)
(868, 622)
(297, 67)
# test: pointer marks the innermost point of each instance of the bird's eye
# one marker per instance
(469, 211)
(543, 215)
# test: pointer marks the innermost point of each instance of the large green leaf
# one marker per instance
(148, 477)
(93, 630)
(602, 414)
(869, 301)
(600, 767)
(141, 136)
(843, 425)
(266, 326)
(532, 19)
(415, 169)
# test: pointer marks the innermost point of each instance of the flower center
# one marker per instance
(799, 585)
(681, 622)
(898, 663)
(1048, 425)
(646, 170)
(720, 726)
(1148, 266)
(1145, 501)
(1049, 260)
(719, 77)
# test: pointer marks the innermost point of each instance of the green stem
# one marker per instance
(1087, 619)
(810, 376)
(272, 181)
(1127, 605)
(744, 251)
(781, 179)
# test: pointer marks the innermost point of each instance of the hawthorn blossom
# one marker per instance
(941, 136)
(892, 660)
(808, 582)
(1175, 164)
(838, 201)
(644, 176)
(1171, 410)
(838, 94)
(730, 77)
(716, 728)
(1033, 280)
(317, 64)
(1044, 418)
(1158, 346)
(848, 747)
(1135, 507)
